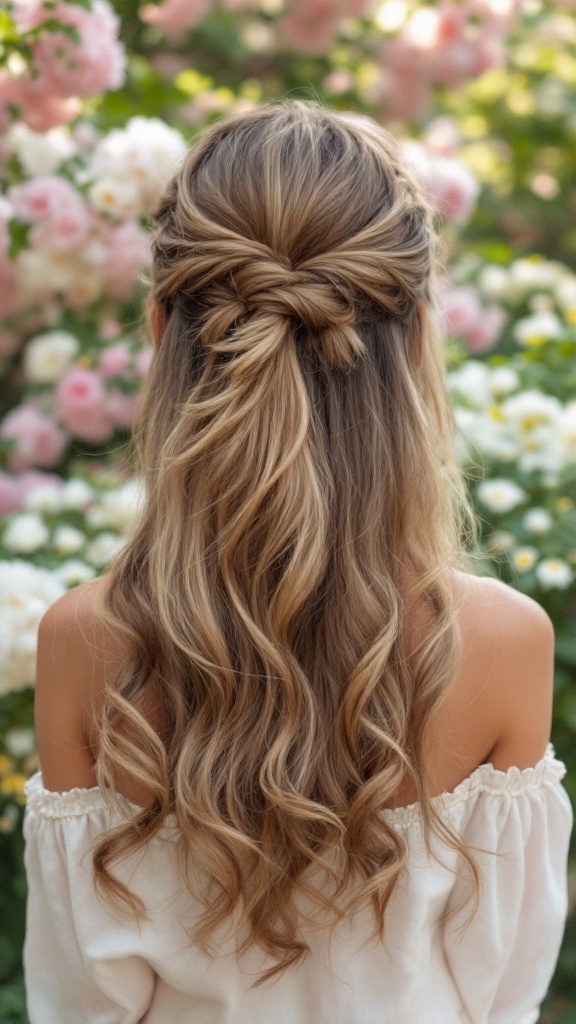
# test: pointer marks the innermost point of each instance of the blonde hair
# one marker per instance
(294, 436)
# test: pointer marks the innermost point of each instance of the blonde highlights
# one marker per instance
(295, 440)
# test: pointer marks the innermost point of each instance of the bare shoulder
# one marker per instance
(510, 639)
(69, 680)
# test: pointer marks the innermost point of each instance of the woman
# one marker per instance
(289, 735)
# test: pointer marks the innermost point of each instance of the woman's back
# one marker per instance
(284, 668)
(498, 710)
(426, 972)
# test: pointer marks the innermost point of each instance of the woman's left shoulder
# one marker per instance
(69, 683)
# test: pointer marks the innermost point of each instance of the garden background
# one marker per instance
(97, 104)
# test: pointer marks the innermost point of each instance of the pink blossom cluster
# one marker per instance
(73, 253)
(465, 318)
(442, 44)
(79, 224)
(311, 26)
(447, 182)
(14, 487)
(85, 403)
(62, 68)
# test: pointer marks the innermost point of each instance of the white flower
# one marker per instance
(530, 410)
(74, 571)
(77, 494)
(565, 291)
(530, 274)
(122, 505)
(67, 539)
(493, 280)
(500, 540)
(540, 326)
(503, 380)
(118, 196)
(567, 433)
(26, 592)
(103, 547)
(500, 495)
(47, 356)
(537, 520)
(40, 152)
(524, 558)
(43, 498)
(554, 572)
(471, 381)
(26, 532)
(20, 742)
(486, 434)
(146, 152)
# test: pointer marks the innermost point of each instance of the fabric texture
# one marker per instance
(86, 964)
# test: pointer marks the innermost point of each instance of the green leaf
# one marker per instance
(18, 232)
(8, 30)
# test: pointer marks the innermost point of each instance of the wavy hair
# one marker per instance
(294, 437)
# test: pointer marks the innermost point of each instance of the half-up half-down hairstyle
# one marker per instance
(294, 438)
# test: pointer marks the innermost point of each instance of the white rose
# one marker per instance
(503, 379)
(43, 498)
(26, 592)
(524, 558)
(40, 152)
(47, 356)
(118, 196)
(74, 571)
(472, 382)
(537, 520)
(77, 494)
(542, 325)
(500, 495)
(103, 547)
(121, 506)
(26, 532)
(67, 539)
(20, 742)
(492, 281)
(554, 573)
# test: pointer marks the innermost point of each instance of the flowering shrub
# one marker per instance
(54, 53)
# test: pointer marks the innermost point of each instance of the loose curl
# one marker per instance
(294, 436)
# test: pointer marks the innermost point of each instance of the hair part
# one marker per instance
(294, 436)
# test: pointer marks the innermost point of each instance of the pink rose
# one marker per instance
(485, 333)
(37, 108)
(128, 254)
(121, 408)
(10, 496)
(40, 441)
(143, 360)
(86, 68)
(90, 424)
(113, 360)
(79, 390)
(43, 197)
(308, 33)
(175, 16)
(461, 310)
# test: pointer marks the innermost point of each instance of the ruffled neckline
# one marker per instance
(484, 779)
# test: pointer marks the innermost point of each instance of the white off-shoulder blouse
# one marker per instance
(86, 964)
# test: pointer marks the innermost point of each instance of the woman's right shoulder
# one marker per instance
(509, 638)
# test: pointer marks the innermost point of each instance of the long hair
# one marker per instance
(302, 504)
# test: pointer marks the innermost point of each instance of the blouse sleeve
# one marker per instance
(503, 963)
(75, 969)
